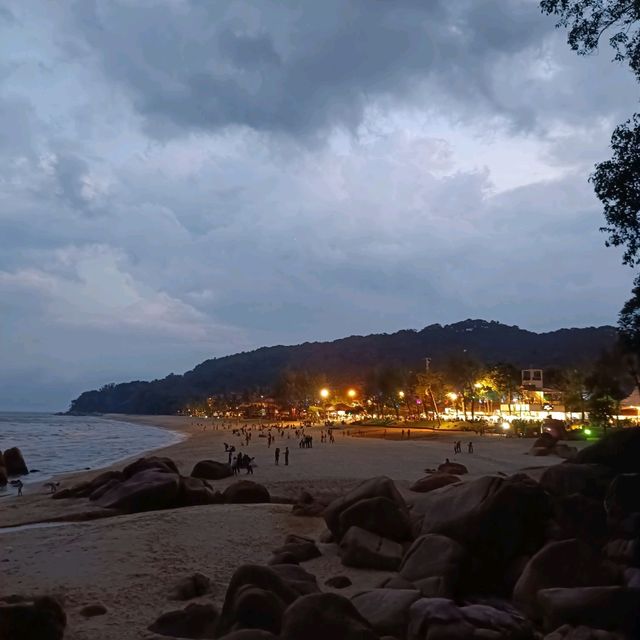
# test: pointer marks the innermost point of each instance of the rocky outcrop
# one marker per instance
(378, 515)
(211, 470)
(193, 586)
(619, 450)
(322, 616)
(246, 492)
(453, 468)
(611, 608)
(569, 563)
(433, 564)
(434, 481)
(386, 610)
(361, 548)
(379, 487)
(14, 462)
(149, 489)
(194, 621)
(442, 619)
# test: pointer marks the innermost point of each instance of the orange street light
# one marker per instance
(401, 394)
(352, 393)
(324, 393)
(452, 396)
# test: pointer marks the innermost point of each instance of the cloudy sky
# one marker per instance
(181, 179)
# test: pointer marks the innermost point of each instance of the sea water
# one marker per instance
(60, 444)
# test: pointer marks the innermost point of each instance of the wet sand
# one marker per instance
(129, 562)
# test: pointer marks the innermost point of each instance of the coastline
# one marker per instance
(130, 562)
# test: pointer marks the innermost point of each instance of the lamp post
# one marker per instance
(324, 394)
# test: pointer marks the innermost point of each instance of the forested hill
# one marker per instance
(347, 361)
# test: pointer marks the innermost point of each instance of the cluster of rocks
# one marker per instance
(547, 445)
(12, 464)
(156, 483)
(495, 558)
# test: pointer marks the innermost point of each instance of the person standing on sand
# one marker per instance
(470, 447)
(286, 457)
(277, 452)
(19, 484)
(408, 434)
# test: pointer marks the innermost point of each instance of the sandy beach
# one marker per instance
(129, 563)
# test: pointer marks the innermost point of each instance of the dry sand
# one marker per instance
(129, 563)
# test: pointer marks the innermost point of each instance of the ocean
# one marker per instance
(61, 444)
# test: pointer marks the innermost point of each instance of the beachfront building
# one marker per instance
(534, 401)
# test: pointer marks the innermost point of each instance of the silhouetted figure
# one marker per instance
(277, 452)
(470, 447)
(286, 457)
(19, 484)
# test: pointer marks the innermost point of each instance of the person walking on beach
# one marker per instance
(286, 456)
(470, 447)
(250, 465)
(277, 452)
(19, 484)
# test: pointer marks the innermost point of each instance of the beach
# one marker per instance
(129, 563)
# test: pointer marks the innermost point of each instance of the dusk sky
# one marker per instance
(181, 179)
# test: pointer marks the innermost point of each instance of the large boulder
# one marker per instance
(378, 515)
(623, 496)
(3, 476)
(442, 619)
(499, 518)
(300, 550)
(569, 563)
(361, 548)
(211, 470)
(152, 462)
(194, 621)
(87, 488)
(433, 556)
(295, 577)
(322, 616)
(611, 608)
(565, 479)
(386, 610)
(625, 552)
(309, 506)
(378, 487)
(38, 619)
(145, 491)
(246, 492)
(453, 468)
(193, 586)
(14, 462)
(255, 598)
(437, 618)
(433, 481)
(579, 516)
(618, 450)
(194, 491)
(569, 632)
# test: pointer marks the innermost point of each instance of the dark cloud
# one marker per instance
(303, 68)
(161, 203)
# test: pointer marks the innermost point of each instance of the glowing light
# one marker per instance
(352, 393)
(452, 396)
(478, 385)
(401, 394)
(506, 425)
(587, 432)
(324, 393)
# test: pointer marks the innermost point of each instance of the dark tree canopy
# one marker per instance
(589, 20)
(616, 181)
(617, 185)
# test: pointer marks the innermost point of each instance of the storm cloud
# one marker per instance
(181, 179)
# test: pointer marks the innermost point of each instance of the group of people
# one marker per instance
(457, 447)
(242, 461)
(286, 456)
